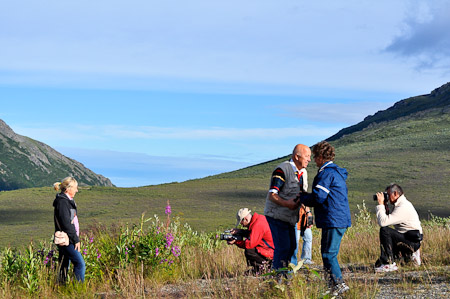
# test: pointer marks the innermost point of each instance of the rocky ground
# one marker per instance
(421, 283)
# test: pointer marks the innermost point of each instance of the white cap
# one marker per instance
(241, 214)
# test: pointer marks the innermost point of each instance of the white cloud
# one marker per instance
(146, 43)
(425, 36)
(213, 133)
(123, 132)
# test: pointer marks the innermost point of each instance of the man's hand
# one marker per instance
(380, 198)
(291, 204)
(231, 242)
(78, 247)
(235, 231)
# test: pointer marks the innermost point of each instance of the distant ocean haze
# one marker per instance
(138, 169)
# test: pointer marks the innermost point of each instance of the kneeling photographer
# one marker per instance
(404, 239)
(256, 240)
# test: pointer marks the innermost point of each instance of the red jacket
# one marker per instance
(259, 231)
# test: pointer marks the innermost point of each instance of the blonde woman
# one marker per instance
(66, 219)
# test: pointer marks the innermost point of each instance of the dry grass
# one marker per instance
(218, 272)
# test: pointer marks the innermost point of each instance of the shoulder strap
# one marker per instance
(268, 244)
(56, 219)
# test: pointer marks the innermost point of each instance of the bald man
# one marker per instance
(282, 204)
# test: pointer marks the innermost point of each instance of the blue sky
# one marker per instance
(147, 92)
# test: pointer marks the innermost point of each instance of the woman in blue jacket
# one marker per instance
(331, 209)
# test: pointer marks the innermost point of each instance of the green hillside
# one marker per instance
(411, 150)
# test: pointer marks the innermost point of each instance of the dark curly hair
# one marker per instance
(325, 150)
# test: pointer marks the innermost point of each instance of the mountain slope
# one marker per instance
(25, 162)
(438, 99)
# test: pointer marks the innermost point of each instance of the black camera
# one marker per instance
(228, 236)
(306, 220)
(386, 197)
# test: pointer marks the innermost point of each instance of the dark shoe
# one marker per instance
(378, 263)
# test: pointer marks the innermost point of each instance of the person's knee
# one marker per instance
(385, 233)
(79, 262)
(83, 263)
(384, 229)
(307, 237)
(329, 256)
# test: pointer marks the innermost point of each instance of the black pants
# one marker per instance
(394, 245)
(257, 260)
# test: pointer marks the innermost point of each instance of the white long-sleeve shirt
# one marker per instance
(404, 217)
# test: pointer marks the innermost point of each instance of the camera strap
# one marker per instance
(268, 244)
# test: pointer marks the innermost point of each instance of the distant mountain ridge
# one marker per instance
(438, 99)
(25, 163)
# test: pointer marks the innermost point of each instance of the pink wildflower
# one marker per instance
(168, 210)
(176, 251)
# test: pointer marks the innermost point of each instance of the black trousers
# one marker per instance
(394, 245)
(257, 260)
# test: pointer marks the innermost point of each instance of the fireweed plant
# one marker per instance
(28, 269)
(152, 245)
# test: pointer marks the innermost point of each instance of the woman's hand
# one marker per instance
(78, 247)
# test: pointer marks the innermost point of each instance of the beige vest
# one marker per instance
(290, 190)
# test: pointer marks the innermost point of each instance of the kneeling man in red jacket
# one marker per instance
(258, 243)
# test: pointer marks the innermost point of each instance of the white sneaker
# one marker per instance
(387, 268)
(340, 288)
(415, 257)
(308, 262)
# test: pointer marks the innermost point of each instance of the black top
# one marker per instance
(65, 211)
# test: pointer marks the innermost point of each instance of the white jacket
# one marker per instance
(404, 217)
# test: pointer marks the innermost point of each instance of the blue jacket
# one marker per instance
(329, 197)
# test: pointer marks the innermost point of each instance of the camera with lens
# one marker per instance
(386, 197)
(228, 236)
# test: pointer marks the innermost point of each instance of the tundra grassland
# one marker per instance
(164, 258)
(413, 152)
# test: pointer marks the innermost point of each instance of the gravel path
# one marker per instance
(423, 283)
(428, 283)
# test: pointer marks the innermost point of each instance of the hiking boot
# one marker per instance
(387, 268)
(340, 288)
(415, 258)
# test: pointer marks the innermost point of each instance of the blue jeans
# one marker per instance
(68, 254)
(330, 244)
(306, 248)
(283, 235)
